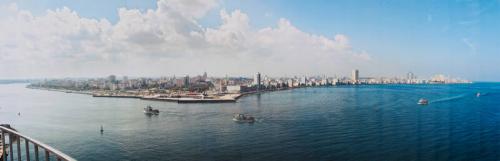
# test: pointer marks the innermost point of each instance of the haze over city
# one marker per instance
(53, 39)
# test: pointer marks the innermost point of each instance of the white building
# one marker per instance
(355, 75)
(233, 89)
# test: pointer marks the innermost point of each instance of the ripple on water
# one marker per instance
(340, 123)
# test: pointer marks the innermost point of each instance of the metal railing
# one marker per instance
(15, 137)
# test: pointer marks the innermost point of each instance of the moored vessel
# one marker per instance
(150, 111)
(242, 118)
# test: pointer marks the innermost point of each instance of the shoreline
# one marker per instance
(225, 98)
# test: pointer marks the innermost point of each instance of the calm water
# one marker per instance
(336, 123)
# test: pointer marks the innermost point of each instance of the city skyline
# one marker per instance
(57, 39)
(354, 76)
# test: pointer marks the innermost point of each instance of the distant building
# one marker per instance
(233, 89)
(112, 78)
(410, 76)
(303, 80)
(186, 81)
(205, 76)
(439, 79)
(257, 80)
(355, 75)
(290, 82)
(324, 82)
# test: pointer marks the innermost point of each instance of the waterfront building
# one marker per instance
(355, 75)
(239, 89)
(303, 80)
(257, 80)
(233, 89)
(324, 82)
(112, 78)
(186, 81)
(335, 81)
(218, 86)
(205, 76)
(440, 78)
(410, 76)
(290, 82)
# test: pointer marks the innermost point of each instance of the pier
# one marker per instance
(218, 98)
(224, 98)
(191, 100)
(228, 98)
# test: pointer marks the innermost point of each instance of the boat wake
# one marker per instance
(174, 114)
(446, 99)
(484, 94)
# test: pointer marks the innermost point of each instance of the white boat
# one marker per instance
(423, 102)
(150, 111)
(478, 94)
(242, 118)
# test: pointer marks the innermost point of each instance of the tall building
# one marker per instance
(257, 80)
(355, 75)
(303, 80)
(112, 78)
(186, 81)
(410, 76)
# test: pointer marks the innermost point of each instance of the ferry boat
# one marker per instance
(423, 102)
(242, 118)
(150, 111)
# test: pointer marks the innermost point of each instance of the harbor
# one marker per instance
(185, 97)
(191, 100)
(178, 98)
(283, 119)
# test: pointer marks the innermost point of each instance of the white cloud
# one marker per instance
(165, 41)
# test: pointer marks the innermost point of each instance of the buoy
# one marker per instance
(102, 129)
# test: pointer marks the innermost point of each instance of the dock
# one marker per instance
(223, 99)
(219, 98)
(117, 96)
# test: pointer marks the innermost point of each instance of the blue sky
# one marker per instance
(458, 38)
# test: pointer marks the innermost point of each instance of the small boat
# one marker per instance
(478, 94)
(242, 118)
(150, 111)
(423, 102)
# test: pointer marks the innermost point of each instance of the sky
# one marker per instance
(90, 38)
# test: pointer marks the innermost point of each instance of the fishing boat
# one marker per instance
(242, 118)
(150, 111)
(423, 102)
